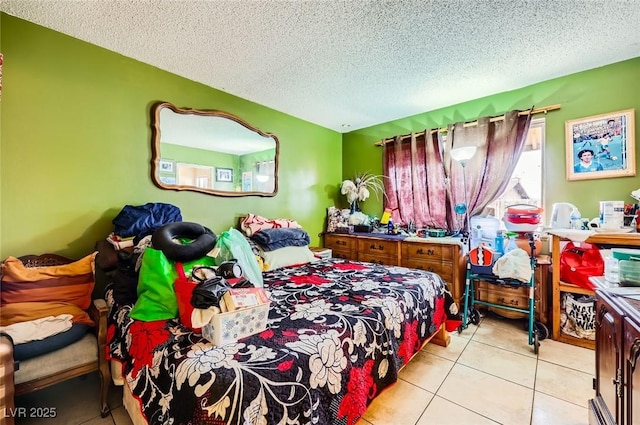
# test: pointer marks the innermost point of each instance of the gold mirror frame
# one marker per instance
(245, 163)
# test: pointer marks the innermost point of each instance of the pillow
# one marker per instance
(23, 312)
(253, 223)
(288, 256)
(36, 348)
(156, 295)
(69, 283)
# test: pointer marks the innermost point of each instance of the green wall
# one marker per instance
(76, 142)
(76, 146)
(602, 90)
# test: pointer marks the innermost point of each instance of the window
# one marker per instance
(525, 186)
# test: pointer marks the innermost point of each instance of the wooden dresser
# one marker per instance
(443, 257)
(617, 399)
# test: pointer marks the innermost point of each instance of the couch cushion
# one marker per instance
(70, 283)
(52, 343)
(84, 351)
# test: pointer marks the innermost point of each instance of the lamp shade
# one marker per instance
(463, 154)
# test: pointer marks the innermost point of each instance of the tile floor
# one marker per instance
(487, 375)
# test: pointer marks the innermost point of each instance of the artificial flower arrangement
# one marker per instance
(360, 188)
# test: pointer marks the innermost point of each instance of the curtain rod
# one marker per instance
(542, 110)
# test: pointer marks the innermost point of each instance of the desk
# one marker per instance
(600, 239)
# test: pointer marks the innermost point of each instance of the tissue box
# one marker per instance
(229, 327)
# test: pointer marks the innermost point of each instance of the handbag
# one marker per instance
(578, 262)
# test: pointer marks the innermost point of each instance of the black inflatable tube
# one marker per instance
(204, 241)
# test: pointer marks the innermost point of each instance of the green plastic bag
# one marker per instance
(156, 297)
(232, 244)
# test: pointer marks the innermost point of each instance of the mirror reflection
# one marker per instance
(212, 152)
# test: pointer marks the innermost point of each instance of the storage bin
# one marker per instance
(225, 328)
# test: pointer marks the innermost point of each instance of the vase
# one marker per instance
(355, 207)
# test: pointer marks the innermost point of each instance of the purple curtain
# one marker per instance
(414, 181)
(423, 183)
(499, 143)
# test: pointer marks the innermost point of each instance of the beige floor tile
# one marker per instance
(550, 410)
(121, 417)
(505, 333)
(426, 371)
(570, 356)
(487, 395)
(401, 404)
(563, 383)
(453, 350)
(443, 412)
(508, 365)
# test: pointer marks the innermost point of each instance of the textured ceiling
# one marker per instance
(354, 62)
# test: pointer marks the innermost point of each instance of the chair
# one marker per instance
(82, 357)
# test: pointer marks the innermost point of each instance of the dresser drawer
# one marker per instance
(508, 296)
(340, 242)
(377, 247)
(427, 251)
(377, 259)
(445, 270)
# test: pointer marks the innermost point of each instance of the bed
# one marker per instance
(338, 332)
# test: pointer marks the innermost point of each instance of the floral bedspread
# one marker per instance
(338, 333)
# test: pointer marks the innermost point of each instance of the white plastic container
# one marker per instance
(612, 214)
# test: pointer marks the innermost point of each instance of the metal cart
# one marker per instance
(479, 268)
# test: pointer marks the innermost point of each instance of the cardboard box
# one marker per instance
(237, 298)
(225, 328)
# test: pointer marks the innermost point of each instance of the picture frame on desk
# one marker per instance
(601, 146)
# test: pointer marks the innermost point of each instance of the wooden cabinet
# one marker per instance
(617, 350)
(443, 258)
(519, 297)
(559, 288)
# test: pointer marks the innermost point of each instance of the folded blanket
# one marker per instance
(253, 223)
(35, 330)
(270, 239)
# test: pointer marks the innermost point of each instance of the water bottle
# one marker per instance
(499, 244)
(390, 227)
(576, 220)
(512, 242)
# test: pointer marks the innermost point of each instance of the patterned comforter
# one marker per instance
(338, 332)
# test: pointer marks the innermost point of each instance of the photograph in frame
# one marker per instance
(601, 146)
(166, 166)
(224, 174)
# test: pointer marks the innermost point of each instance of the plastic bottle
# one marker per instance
(576, 219)
(512, 242)
(390, 227)
(499, 245)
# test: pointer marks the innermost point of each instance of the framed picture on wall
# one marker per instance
(224, 174)
(166, 166)
(601, 146)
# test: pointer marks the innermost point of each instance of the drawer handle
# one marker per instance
(430, 269)
(428, 251)
(502, 300)
(341, 243)
(378, 248)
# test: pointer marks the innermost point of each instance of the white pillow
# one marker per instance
(287, 256)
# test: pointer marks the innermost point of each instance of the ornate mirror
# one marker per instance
(211, 152)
